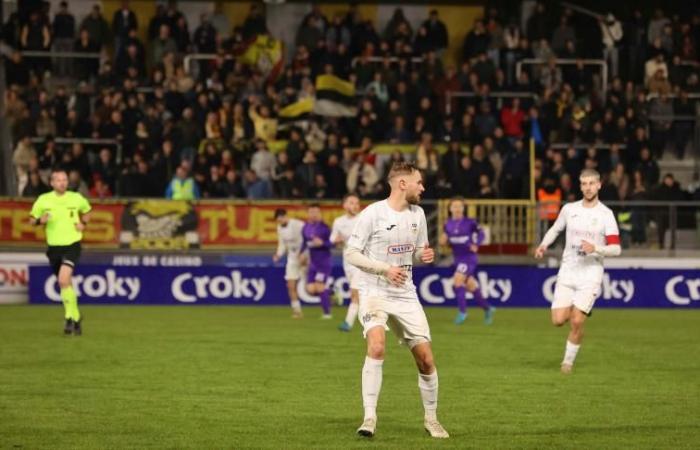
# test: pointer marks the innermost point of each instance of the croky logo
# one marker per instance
(390, 227)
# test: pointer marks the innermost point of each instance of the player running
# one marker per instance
(340, 233)
(464, 235)
(65, 215)
(316, 239)
(388, 237)
(289, 241)
(591, 235)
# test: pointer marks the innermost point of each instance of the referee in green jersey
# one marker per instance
(65, 215)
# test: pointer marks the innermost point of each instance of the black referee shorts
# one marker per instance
(63, 254)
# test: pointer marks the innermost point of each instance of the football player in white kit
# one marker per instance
(591, 235)
(340, 233)
(388, 237)
(289, 241)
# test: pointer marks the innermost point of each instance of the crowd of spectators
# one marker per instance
(215, 132)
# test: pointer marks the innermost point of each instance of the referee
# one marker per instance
(65, 215)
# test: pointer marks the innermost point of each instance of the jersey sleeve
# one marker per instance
(334, 232)
(361, 232)
(281, 248)
(558, 227)
(84, 206)
(325, 237)
(612, 233)
(479, 235)
(38, 208)
(422, 240)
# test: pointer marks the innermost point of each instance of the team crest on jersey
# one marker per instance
(401, 248)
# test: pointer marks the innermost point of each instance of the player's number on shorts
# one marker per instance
(462, 268)
(320, 278)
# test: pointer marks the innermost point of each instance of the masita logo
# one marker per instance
(681, 291)
(401, 248)
(189, 288)
(97, 286)
(612, 289)
(436, 289)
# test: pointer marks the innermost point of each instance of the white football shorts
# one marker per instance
(405, 318)
(581, 295)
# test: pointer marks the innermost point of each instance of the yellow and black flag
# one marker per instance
(299, 110)
(335, 97)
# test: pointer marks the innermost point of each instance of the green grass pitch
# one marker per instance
(237, 377)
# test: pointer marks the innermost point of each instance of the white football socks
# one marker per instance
(371, 385)
(571, 352)
(296, 305)
(428, 385)
(352, 313)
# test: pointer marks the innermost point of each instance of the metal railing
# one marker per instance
(189, 58)
(52, 54)
(509, 224)
(568, 61)
(499, 95)
(566, 145)
(392, 59)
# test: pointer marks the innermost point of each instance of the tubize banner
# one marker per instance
(504, 286)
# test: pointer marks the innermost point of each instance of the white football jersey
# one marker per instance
(384, 234)
(596, 225)
(289, 238)
(343, 226)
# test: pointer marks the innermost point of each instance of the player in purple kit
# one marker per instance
(464, 235)
(316, 236)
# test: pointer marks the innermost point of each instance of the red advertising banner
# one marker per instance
(16, 231)
(226, 225)
(164, 224)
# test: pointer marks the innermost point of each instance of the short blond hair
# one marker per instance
(401, 168)
(590, 173)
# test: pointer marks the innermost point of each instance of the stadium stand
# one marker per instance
(130, 117)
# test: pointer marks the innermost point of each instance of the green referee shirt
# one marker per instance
(64, 212)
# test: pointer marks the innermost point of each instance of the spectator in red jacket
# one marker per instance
(512, 119)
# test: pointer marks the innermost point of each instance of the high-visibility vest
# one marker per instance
(549, 203)
(183, 190)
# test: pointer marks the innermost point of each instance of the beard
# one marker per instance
(590, 197)
(413, 199)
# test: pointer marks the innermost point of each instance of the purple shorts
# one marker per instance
(318, 274)
(467, 267)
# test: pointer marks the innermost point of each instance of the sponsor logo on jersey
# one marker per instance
(390, 227)
(400, 248)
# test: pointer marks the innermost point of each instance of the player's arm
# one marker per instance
(479, 237)
(336, 237)
(38, 215)
(325, 238)
(553, 232)
(423, 252)
(84, 209)
(612, 240)
(359, 238)
(281, 248)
